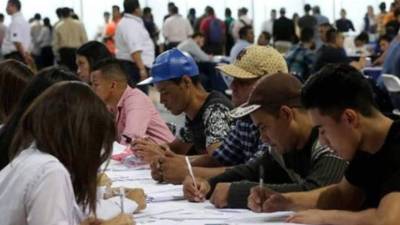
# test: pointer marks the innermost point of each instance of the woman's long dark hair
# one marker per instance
(38, 84)
(71, 123)
(94, 52)
(14, 77)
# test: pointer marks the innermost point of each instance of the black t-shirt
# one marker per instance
(210, 125)
(377, 174)
(328, 54)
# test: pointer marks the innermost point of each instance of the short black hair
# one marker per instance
(146, 10)
(306, 35)
(58, 12)
(382, 6)
(385, 37)
(174, 9)
(337, 87)
(65, 12)
(111, 68)
(228, 12)
(307, 8)
(363, 36)
(330, 35)
(16, 3)
(131, 5)
(115, 7)
(243, 31)
(197, 34)
(37, 16)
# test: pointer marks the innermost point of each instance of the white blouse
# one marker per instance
(36, 189)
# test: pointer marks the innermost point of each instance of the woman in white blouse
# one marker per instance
(62, 139)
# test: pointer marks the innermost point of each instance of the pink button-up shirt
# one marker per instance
(137, 117)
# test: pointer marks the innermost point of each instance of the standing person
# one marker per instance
(370, 21)
(43, 164)
(381, 18)
(44, 40)
(214, 31)
(109, 36)
(134, 44)
(101, 29)
(151, 27)
(69, 34)
(268, 25)
(191, 16)
(176, 29)
(343, 24)
(283, 32)
(229, 21)
(321, 19)
(36, 27)
(307, 21)
(243, 20)
(17, 40)
(3, 30)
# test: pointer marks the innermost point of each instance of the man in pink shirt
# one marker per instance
(135, 114)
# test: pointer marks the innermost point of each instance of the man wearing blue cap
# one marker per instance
(175, 75)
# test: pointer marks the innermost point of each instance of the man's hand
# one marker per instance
(312, 216)
(170, 168)
(219, 197)
(195, 193)
(266, 200)
(147, 149)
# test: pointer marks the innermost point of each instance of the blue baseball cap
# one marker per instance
(170, 65)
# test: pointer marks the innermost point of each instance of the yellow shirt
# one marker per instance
(69, 33)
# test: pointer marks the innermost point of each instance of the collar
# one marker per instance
(123, 97)
(131, 16)
(17, 14)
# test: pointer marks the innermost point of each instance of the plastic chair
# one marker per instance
(392, 84)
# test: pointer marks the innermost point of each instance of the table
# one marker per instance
(166, 205)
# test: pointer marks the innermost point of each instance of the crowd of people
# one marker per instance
(300, 115)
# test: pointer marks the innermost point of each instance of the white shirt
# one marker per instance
(194, 50)
(176, 28)
(238, 24)
(18, 31)
(267, 26)
(36, 189)
(45, 37)
(36, 27)
(131, 36)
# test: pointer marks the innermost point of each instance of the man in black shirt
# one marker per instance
(343, 24)
(340, 103)
(283, 29)
(207, 122)
(307, 21)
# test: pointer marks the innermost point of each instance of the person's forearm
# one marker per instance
(137, 58)
(20, 48)
(179, 147)
(208, 173)
(339, 217)
(204, 161)
(305, 200)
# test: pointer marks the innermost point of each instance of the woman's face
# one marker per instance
(83, 68)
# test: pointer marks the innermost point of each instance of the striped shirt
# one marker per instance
(242, 144)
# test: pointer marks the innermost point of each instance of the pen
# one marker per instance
(261, 174)
(122, 196)
(190, 170)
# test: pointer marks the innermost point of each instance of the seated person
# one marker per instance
(296, 161)
(333, 52)
(14, 77)
(49, 176)
(360, 43)
(193, 46)
(175, 75)
(135, 114)
(243, 143)
(88, 55)
(301, 58)
(351, 125)
(264, 39)
(44, 79)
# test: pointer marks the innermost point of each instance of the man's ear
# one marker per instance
(351, 118)
(187, 82)
(286, 113)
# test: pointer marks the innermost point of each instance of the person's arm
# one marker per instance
(352, 26)
(56, 41)
(180, 147)
(137, 58)
(387, 213)
(27, 58)
(208, 173)
(199, 53)
(17, 39)
(204, 161)
(136, 109)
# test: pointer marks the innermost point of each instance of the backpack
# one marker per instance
(215, 31)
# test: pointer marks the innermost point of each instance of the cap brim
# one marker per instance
(243, 110)
(235, 71)
(146, 81)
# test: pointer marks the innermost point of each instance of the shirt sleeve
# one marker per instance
(199, 54)
(217, 123)
(50, 199)
(15, 33)
(138, 116)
